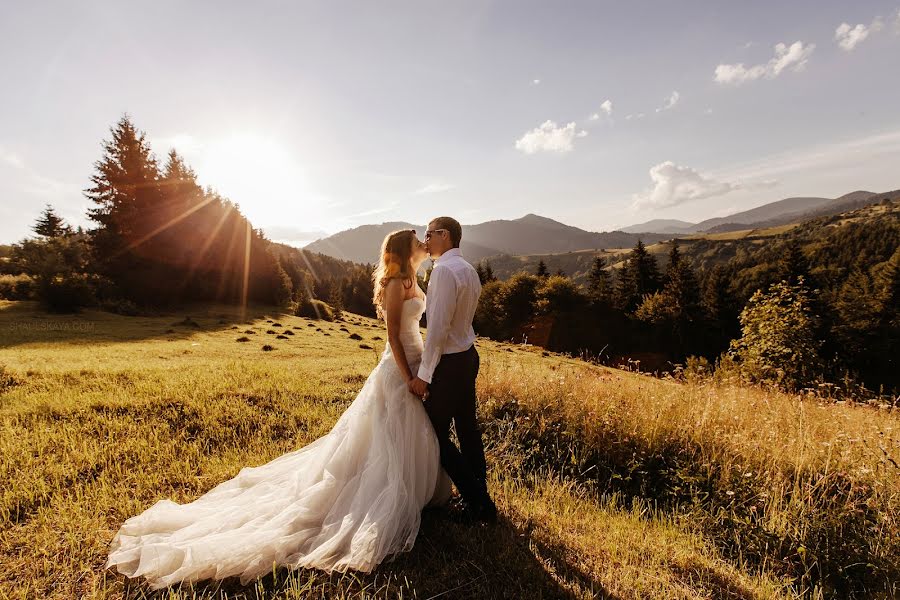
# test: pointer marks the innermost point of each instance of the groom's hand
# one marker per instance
(417, 386)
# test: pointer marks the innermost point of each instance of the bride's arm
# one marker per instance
(393, 310)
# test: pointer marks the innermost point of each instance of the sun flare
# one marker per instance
(257, 172)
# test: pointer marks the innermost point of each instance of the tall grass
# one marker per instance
(806, 488)
(609, 484)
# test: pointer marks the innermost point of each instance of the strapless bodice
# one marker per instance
(410, 335)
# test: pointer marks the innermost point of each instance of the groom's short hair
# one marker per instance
(452, 226)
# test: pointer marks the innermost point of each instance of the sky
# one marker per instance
(316, 117)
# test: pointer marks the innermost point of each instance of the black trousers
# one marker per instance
(452, 398)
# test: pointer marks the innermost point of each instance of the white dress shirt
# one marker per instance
(450, 304)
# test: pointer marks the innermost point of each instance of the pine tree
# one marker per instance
(675, 261)
(489, 272)
(720, 308)
(50, 224)
(336, 299)
(125, 190)
(888, 284)
(717, 299)
(646, 272)
(542, 269)
(639, 276)
(793, 264)
(626, 288)
(600, 288)
(485, 272)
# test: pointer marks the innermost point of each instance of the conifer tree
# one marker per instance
(542, 269)
(336, 299)
(50, 225)
(639, 276)
(599, 286)
(125, 189)
(489, 272)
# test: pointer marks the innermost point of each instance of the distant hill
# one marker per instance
(780, 212)
(780, 208)
(531, 234)
(851, 201)
(704, 250)
(662, 226)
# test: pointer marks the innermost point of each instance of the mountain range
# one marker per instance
(531, 234)
(779, 212)
(536, 235)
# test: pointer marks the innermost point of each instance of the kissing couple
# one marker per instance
(353, 497)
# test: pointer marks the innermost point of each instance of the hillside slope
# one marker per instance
(609, 483)
(847, 202)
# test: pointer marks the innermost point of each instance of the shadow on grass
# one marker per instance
(24, 322)
(449, 560)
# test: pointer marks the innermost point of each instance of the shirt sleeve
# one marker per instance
(441, 305)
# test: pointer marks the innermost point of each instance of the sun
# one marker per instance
(257, 172)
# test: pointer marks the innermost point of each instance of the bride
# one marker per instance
(348, 500)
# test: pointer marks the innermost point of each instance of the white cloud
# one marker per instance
(435, 187)
(848, 37)
(673, 185)
(606, 107)
(535, 82)
(549, 137)
(670, 102)
(793, 57)
(897, 22)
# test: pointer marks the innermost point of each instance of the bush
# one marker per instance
(778, 343)
(16, 287)
(121, 306)
(65, 293)
(314, 309)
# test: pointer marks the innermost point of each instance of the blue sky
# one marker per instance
(319, 116)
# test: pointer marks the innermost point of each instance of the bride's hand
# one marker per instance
(417, 387)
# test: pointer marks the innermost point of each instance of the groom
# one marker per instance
(450, 365)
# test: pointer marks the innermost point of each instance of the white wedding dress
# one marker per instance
(348, 500)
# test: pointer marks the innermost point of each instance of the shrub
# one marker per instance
(16, 287)
(778, 343)
(314, 309)
(120, 306)
(65, 293)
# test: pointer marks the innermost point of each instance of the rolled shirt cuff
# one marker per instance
(424, 374)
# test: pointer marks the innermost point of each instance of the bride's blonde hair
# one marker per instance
(395, 263)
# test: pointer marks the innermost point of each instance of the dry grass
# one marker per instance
(101, 415)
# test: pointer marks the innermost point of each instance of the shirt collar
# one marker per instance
(448, 253)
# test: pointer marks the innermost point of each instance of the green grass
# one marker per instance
(610, 484)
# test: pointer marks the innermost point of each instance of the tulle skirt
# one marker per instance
(346, 501)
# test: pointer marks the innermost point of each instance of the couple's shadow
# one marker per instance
(450, 560)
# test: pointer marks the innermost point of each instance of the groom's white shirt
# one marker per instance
(452, 298)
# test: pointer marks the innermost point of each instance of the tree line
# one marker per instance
(816, 306)
(160, 240)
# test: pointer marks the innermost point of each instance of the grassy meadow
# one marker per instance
(610, 484)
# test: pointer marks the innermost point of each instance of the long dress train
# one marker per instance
(346, 501)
